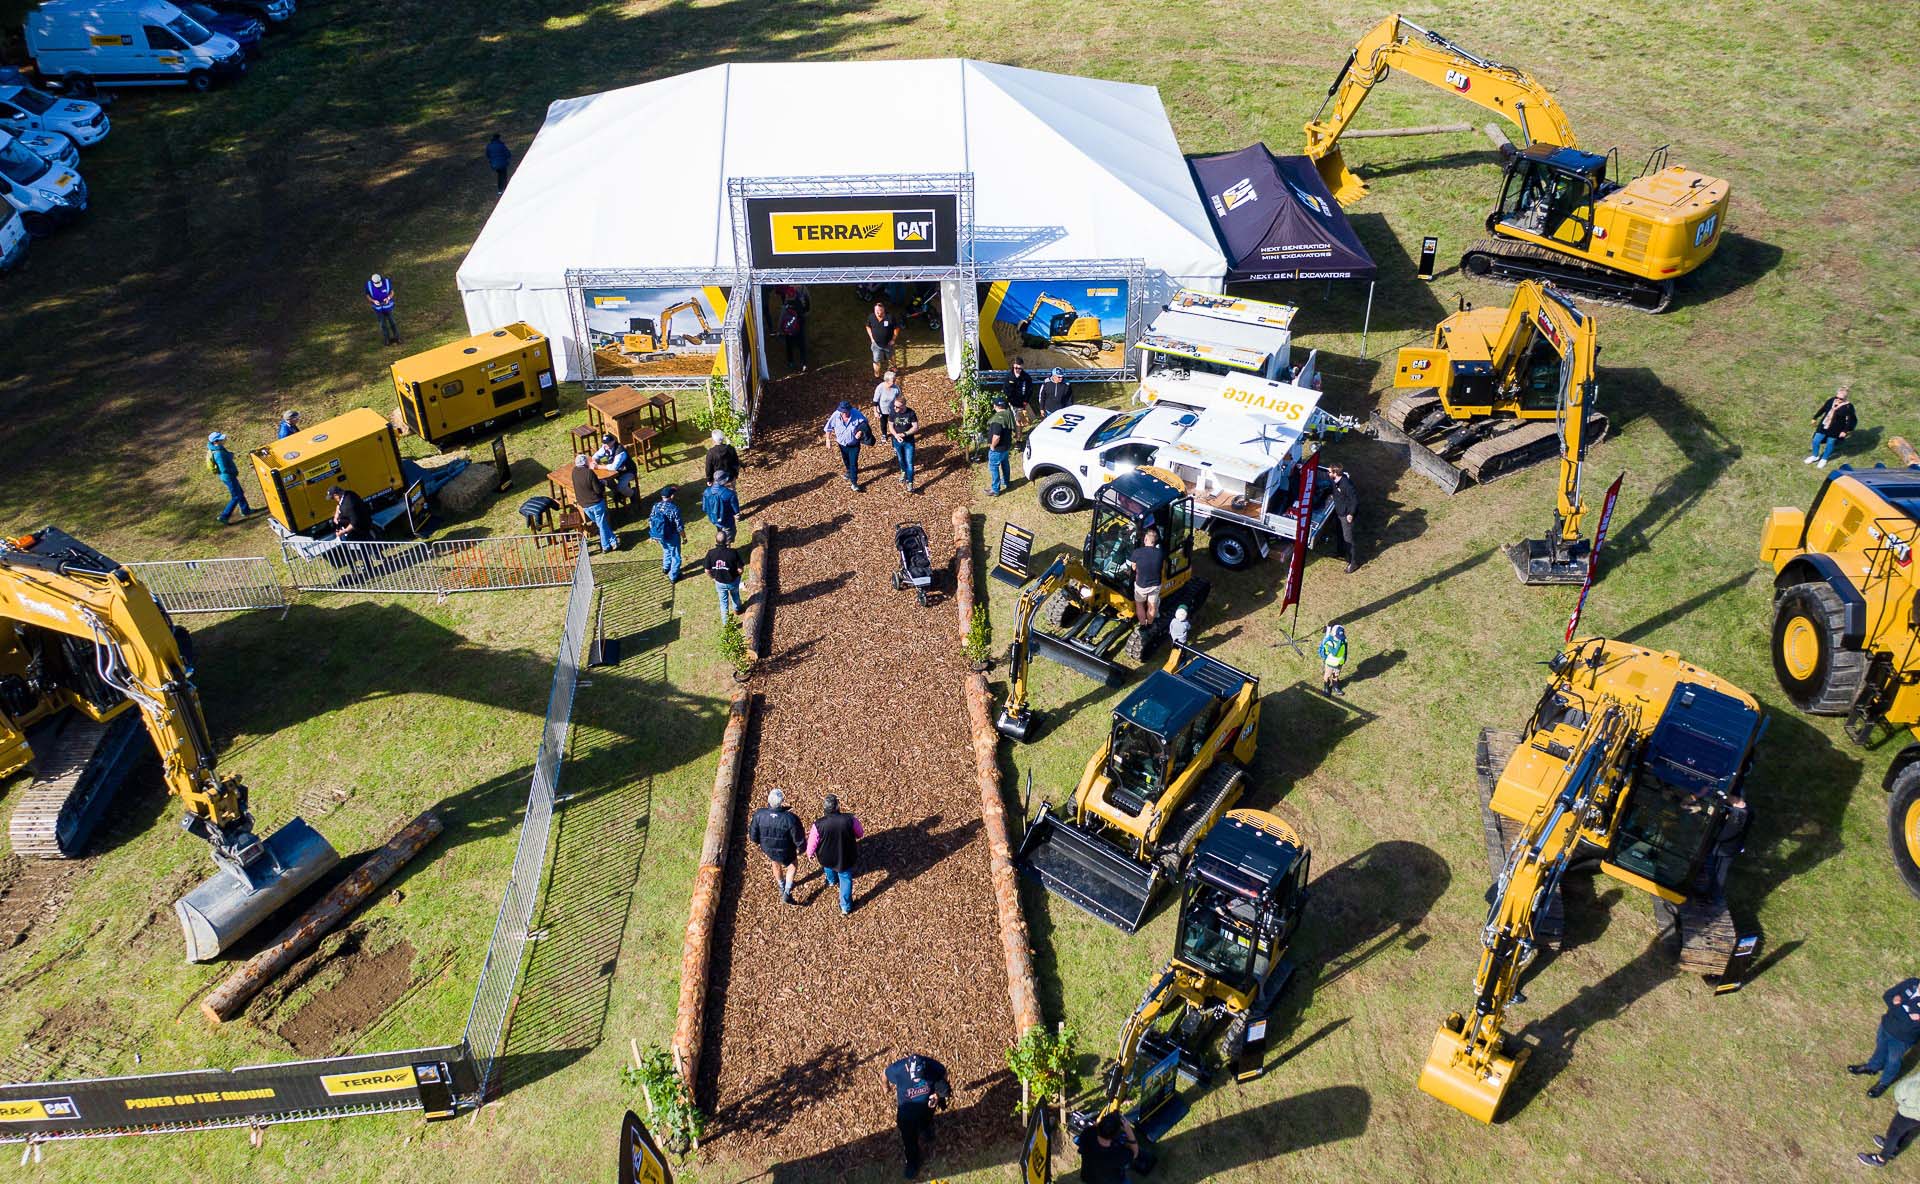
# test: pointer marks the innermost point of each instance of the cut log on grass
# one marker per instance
(1498, 136)
(230, 997)
(754, 617)
(963, 570)
(1904, 451)
(696, 954)
(1022, 991)
(1431, 129)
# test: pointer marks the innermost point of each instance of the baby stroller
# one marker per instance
(916, 566)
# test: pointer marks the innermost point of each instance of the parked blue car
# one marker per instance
(248, 32)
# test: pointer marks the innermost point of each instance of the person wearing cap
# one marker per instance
(591, 497)
(1054, 393)
(847, 429)
(289, 424)
(1180, 628)
(1019, 391)
(722, 507)
(834, 840)
(352, 521)
(1107, 1150)
(665, 526)
(1833, 423)
(919, 1086)
(776, 831)
(614, 455)
(1333, 657)
(221, 464)
(999, 432)
(380, 296)
(724, 568)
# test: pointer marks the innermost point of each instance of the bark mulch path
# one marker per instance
(863, 698)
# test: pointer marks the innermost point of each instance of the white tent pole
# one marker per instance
(1366, 325)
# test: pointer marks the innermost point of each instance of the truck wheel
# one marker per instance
(1232, 549)
(36, 224)
(77, 85)
(1060, 494)
(199, 82)
(1814, 667)
(1903, 826)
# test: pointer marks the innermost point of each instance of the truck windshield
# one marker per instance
(30, 101)
(1118, 428)
(20, 165)
(188, 30)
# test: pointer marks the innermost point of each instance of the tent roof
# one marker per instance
(1064, 167)
(1283, 223)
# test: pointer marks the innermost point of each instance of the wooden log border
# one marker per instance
(1023, 992)
(696, 954)
(753, 623)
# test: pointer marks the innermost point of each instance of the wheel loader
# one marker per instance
(1846, 623)
(1629, 759)
(1207, 1010)
(86, 656)
(1173, 762)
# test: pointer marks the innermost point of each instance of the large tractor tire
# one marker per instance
(1815, 667)
(1903, 825)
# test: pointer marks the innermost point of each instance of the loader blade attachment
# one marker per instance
(1080, 658)
(1451, 1076)
(1420, 458)
(1087, 871)
(239, 896)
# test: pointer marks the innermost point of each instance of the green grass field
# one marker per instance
(217, 281)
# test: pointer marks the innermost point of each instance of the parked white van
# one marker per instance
(129, 43)
(22, 109)
(45, 194)
(13, 239)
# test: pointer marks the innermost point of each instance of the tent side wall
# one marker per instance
(546, 309)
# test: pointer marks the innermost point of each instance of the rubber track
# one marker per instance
(1705, 931)
(1516, 261)
(1190, 817)
(35, 826)
(1489, 758)
(1513, 445)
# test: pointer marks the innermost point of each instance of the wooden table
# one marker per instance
(560, 483)
(620, 411)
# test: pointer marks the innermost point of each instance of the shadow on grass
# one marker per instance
(1263, 1134)
(1555, 1036)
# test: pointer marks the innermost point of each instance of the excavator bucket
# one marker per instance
(1346, 185)
(1016, 726)
(1449, 1074)
(236, 898)
(1077, 657)
(1089, 873)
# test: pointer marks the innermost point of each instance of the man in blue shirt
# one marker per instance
(221, 462)
(920, 1084)
(499, 158)
(847, 429)
(665, 526)
(380, 299)
(721, 506)
(289, 424)
(1899, 1032)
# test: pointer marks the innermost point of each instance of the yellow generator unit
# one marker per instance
(476, 382)
(356, 450)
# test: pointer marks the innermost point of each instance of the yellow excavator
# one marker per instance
(85, 650)
(1173, 763)
(1241, 900)
(1846, 623)
(1561, 216)
(1632, 757)
(1062, 327)
(1498, 390)
(708, 334)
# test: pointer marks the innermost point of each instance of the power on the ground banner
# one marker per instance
(873, 230)
(1593, 557)
(420, 1079)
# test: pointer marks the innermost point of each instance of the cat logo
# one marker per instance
(1312, 201)
(1239, 193)
(1705, 230)
(39, 1110)
(1459, 81)
(842, 232)
(912, 232)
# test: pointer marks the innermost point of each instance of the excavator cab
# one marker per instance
(1698, 753)
(1550, 192)
(1122, 512)
(1242, 901)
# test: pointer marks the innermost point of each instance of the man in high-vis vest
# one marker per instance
(380, 296)
(1333, 658)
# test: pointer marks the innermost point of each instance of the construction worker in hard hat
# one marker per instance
(1333, 657)
(380, 296)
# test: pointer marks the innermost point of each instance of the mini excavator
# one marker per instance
(1561, 217)
(1173, 763)
(1631, 755)
(1241, 901)
(1498, 390)
(85, 650)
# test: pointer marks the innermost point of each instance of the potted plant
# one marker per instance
(1045, 1064)
(978, 647)
(671, 1113)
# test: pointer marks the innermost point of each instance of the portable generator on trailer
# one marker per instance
(476, 382)
(356, 451)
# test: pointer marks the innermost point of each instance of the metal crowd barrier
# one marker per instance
(214, 585)
(438, 566)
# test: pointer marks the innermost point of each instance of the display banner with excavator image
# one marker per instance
(1072, 324)
(654, 332)
(864, 230)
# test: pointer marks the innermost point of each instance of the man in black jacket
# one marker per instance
(1020, 391)
(1833, 423)
(1899, 1032)
(1054, 394)
(722, 458)
(1346, 501)
(352, 521)
(919, 1085)
(776, 831)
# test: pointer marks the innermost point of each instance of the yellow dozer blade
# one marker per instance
(1451, 1075)
(1346, 185)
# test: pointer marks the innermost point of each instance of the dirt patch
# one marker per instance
(352, 984)
(32, 892)
(70, 1041)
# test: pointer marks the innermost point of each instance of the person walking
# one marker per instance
(834, 840)
(592, 500)
(902, 426)
(1149, 564)
(665, 526)
(380, 296)
(500, 160)
(883, 333)
(289, 424)
(1054, 393)
(722, 507)
(883, 393)
(722, 457)
(999, 450)
(1107, 1150)
(1333, 658)
(793, 330)
(1346, 501)
(919, 1086)
(776, 831)
(221, 464)
(1906, 1122)
(847, 429)
(1899, 1031)
(1833, 423)
(1019, 392)
(725, 569)
(1731, 840)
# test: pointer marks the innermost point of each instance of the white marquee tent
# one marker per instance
(1065, 168)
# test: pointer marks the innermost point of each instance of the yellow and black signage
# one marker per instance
(640, 1160)
(1036, 1155)
(39, 1110)
(377, 1081)
(881, 230)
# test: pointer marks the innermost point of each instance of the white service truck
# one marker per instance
(88, 43)
(25, 109)
(1211, 333)
(45, 194)
(13, 239)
